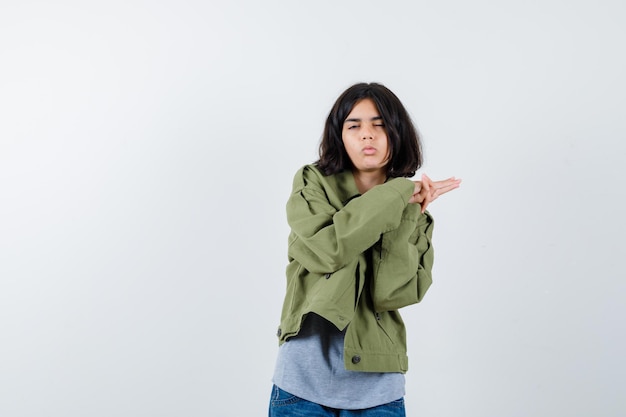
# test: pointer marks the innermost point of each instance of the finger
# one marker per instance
(445, 183)
(426, 203)
(447, 189)
(429, 197)
(432, 197)
(426, 182)
(430, 182)
(418, 187)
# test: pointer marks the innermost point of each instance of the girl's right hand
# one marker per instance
(426, 191)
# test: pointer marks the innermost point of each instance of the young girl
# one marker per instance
(359, 250)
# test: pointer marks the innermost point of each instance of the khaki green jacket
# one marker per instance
(355, 260)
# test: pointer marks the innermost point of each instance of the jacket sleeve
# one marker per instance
(325, 235)
(406, 257)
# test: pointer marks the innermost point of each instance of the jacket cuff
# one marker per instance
(402, 186)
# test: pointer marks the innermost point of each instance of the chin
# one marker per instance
(373, 168)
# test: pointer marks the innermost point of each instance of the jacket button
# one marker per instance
(279, 332)
(356, 359)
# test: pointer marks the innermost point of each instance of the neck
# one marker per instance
(366, 180)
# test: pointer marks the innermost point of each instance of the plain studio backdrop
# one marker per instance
(147, 150)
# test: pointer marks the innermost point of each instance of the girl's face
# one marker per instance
(365, 138)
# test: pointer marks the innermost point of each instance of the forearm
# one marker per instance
(405, 264)
(326, 236)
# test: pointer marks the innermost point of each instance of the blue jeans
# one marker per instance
(284, 404)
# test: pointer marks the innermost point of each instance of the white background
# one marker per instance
(147, 150)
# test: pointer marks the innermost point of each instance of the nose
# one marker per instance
(366, 133)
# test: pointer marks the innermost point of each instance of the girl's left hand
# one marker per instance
(427, 190)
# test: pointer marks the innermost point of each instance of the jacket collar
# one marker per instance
(346, 186)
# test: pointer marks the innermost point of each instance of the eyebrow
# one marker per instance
(358, 120)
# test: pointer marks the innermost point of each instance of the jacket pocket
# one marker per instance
(392, 325)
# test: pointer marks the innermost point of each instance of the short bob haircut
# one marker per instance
(405, 149)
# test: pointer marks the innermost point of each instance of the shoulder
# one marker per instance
(311, 171)
(308, 175)
(337, 188)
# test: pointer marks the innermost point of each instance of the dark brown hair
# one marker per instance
(405, 147)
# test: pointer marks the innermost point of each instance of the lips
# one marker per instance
(369, 150)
